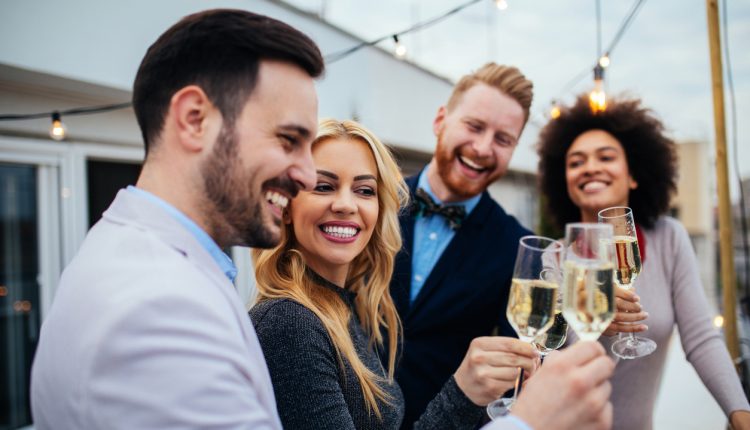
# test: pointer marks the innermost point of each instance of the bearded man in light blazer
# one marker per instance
(146, 329)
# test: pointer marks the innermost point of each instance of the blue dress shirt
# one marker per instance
(222, 259)
(432, 234)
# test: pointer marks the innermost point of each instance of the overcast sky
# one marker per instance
(663, 57)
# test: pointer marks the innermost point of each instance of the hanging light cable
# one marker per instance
(337, 56)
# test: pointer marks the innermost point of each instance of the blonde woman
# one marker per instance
(325, 315)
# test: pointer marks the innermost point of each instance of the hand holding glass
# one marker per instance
(531, 302)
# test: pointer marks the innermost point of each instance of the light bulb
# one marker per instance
(57, 130)
(604, 61)
(597, 97)
(718, 321)
(554, 113)
(501, 4)
(400, 48)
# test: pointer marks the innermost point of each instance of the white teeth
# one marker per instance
(337, 231)
(277, 199)
(593, 186)
(470, 163)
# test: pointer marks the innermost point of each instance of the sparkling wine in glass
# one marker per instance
(556, 335)
(627, 268)
(531, 302)
(588, 279)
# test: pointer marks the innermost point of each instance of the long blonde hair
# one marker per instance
(280, 272)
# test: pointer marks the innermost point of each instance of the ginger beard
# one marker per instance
(459, 178)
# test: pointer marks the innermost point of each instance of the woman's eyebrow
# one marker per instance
(328, 174)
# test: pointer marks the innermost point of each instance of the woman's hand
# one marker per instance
(490, 367)
(629, 311)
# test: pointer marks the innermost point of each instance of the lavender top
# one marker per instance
(671, 292)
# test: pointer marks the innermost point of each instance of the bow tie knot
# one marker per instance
(424, 205)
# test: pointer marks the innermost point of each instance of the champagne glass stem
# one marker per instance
(632, 340)
(517, 387)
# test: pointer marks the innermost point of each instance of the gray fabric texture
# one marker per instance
(312, 391)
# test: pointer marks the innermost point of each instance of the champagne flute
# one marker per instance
(588, 280)
(627, 268)
(531, 302)
(556, 335)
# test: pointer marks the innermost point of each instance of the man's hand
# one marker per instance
(629, 311)
(490, 367)
(571, 390)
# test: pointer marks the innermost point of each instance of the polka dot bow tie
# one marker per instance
(425, 206)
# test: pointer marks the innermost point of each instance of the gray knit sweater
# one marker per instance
(313, 392)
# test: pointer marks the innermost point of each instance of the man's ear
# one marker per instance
(195, 120)
(437, 123)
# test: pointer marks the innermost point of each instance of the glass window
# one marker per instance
(104, 179)
(19, 290)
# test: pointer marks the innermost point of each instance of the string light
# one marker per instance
(554, 111)
(597, 97)
(340, 55)
(400, 48)
(57, 130)
(718, 321)
(604, 60)
(337, 56)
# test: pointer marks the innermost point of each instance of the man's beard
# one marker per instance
(459, 186)
(235, 214)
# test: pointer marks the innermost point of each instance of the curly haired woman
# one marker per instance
(621, 157)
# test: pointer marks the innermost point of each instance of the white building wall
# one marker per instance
(90, 50)
(694, 205)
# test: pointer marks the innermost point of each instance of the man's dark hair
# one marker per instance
(220, 51)
(650, 154)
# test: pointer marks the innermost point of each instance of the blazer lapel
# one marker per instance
(465, 238)
(401, 279)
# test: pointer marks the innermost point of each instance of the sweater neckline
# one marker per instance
(343, 292)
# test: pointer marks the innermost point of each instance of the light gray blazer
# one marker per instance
(146, 332)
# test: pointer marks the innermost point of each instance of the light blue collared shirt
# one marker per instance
(432, 234)
(222, 259)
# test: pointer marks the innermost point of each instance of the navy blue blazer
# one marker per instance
(464, 297)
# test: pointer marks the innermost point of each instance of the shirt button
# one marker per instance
(418, 278)
(433, 236)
